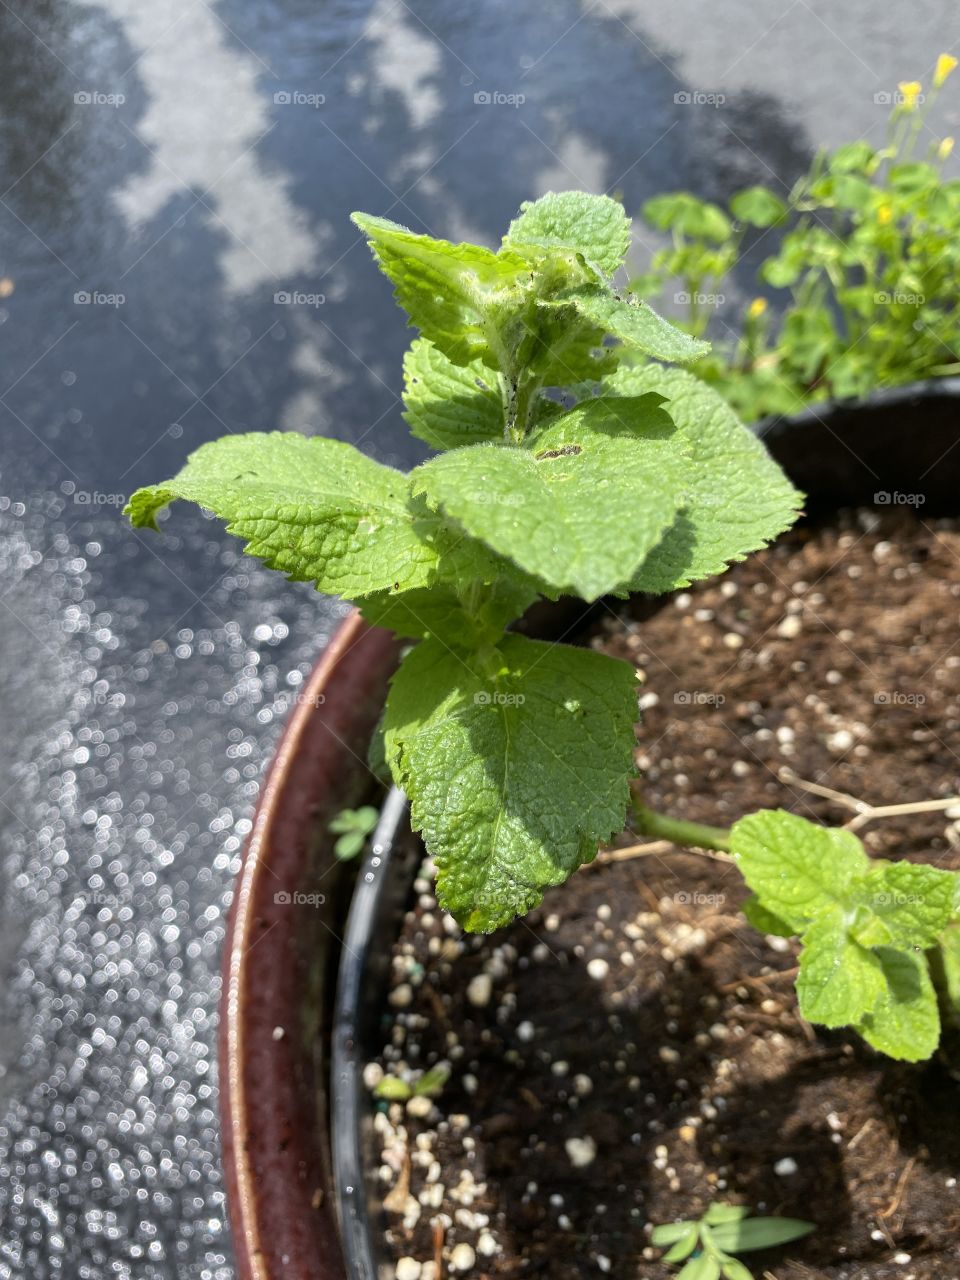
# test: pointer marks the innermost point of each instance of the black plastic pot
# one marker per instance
(899, 447)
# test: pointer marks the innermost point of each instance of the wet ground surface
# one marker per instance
(176, 261)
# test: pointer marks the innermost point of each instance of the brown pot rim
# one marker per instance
(271, 1181)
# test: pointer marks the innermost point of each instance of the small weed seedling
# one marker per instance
(429, 1084)
(570, 461)
(352, 827)
(723, 1230)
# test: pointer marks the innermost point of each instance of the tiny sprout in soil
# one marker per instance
(724, 1229)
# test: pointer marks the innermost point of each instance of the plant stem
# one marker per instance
(677, 831)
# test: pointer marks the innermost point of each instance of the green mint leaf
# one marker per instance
(949, 960)
(594, 226)
(910, 903)
(905, 1022)
(439, 611)
(455, 294)
(765, 921)
(634, 323)
(515, 770)
(316, 509)
(839, 980)
(738, 499)
(567, 350)
(447, 404)
(581, 504)
(797, 868)
(319, 510)
(759, 1233)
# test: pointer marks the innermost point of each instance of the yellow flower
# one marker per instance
(945, 64)
(756, 308)
(910, 93)
(885, 214)
(944, 149)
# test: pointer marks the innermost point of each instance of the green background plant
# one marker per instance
(865, 249)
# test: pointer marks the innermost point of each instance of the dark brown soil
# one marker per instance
(632, 1050)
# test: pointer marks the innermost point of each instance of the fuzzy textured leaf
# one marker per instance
(318, 510)
(579, 505)
(447, 404)
(839, 980)
(905, 1022)
(738, 498)
(634, 323)
(910, 904)
(439, 611)
(514, 771)
(451, 292)
(795, 867)
(865, 927)
(595, 226)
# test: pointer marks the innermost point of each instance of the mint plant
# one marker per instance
(515, 754)
(570, 461)
(724, 1229)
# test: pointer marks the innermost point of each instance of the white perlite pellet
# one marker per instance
(581, 1151)
(462, 1257)
(408, 1269)
(487, 1244)
(786, 1167)
(480, 990)
(598, 969)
